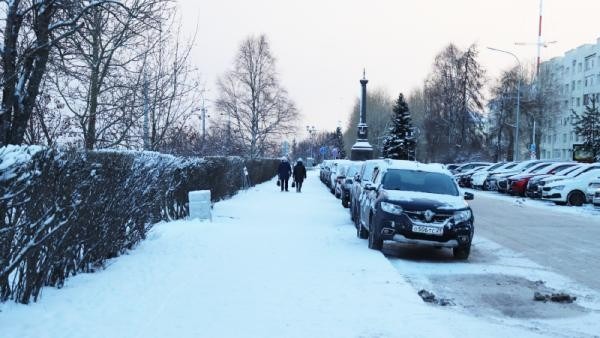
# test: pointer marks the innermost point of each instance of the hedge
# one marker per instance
(66, 212)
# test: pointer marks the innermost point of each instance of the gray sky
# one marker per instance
(322, 46)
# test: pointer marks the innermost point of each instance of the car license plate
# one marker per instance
(428, 230)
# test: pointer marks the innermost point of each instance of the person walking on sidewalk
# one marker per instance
(284, 171)
(299, 174)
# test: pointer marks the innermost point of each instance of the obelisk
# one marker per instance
(362, 149)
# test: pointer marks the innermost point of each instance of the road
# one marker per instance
(568, 244)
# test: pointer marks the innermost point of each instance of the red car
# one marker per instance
(518, 183)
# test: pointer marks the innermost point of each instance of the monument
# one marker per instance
(362, 149)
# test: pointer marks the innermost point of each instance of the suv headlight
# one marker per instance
(558, 187)
(462, 216)
(391, 208)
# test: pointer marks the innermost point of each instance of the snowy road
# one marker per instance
(271, 264)
(567, 243)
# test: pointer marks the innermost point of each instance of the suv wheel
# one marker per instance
(345, 203)
(576, 198)
(462, 252)
(375, 241)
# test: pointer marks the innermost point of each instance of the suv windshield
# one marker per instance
(419, 181)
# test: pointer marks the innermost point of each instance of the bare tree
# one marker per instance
(98, 66)
(173, 86)
(253, 99)
(454, 105)
(32, 29)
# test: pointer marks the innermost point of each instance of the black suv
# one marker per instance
(416, 203)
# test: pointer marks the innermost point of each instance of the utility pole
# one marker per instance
(539, 44)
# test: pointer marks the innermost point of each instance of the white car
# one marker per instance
(492, 180)
(581, 169)
(333, 174)
(570, 191)
(479, 179)
(596, 199)
(591, 190)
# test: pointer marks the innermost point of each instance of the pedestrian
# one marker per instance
(299, 174)
(284, 171)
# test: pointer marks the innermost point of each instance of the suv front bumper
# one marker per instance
(399, 228)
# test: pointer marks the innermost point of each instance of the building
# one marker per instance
(578, 79)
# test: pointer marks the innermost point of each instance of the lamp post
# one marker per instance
(311, 132)
(516, 155)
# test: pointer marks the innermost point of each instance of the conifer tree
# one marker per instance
(587, 126)
(399, 142)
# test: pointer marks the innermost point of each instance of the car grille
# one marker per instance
(547, 188)
(419, 216)
(597, 194)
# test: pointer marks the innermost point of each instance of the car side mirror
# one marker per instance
(369, 187)
(469, 196)
(357, 177)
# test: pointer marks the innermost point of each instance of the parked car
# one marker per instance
(333, 175)
(416, 203)
(533, 190)
(582, 169)
(325, 170)
(499, 180)
(596, 200)
(346, 186)
(364, 176)
(480, 179)
(464, 179)
(451, 166)
(591, 190)
(570, 191)
(517, 184)
(468, 166)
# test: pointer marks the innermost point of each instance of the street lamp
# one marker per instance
(516, 156)
(311, 132)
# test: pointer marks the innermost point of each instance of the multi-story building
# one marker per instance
(578, 79)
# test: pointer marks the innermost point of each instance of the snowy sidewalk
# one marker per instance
(271, 264)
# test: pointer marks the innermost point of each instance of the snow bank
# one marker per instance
(65, 212)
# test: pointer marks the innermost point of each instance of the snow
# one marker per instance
(13, 155)
(587, 210)
(449, 201)
(272, 264)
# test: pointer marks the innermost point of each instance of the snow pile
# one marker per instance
(66, 212)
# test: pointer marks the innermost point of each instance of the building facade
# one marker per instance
(578, 79)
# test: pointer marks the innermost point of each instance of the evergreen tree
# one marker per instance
(399, 143)
(337, 141)
(587, 125)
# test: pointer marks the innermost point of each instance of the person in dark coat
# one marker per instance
(299, 174)
(284, 171)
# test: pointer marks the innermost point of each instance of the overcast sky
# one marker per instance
(322, 45)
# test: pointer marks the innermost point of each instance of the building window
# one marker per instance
(578, 102)
(589, 62)
(579, 67)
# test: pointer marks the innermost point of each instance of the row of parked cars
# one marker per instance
(569, 183)
(403, 201)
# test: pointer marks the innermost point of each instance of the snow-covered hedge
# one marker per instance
(65, 212)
